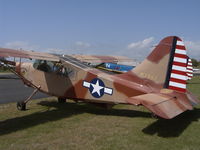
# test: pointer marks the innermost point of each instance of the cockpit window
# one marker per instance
(43, 65)
(53, 67)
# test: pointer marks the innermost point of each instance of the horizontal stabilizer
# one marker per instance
(162, 105)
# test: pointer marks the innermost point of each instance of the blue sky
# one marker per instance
(113, 27)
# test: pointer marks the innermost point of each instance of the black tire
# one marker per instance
(21, 106)
(154, 116)
(61, 100)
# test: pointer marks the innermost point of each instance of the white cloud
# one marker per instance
(53, 50)
(80, 44)
(20, 45)
(78, 47)
(141, 44)
(139, 49)
(26, 46)
(193, 48)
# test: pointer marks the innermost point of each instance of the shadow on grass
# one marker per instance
(173, 127)
(161, 127)
(61, 111)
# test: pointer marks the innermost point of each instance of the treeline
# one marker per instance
(195, 63)
(3, 69)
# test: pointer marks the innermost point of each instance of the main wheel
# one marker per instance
(21, 105)
(154, 116)
(61, 100)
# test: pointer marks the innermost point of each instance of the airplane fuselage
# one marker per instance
(82, 84)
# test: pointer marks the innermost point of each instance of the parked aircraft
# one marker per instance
(113, 67)
(158, 83)
(189, 69)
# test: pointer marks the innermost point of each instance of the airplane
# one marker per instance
(118, 64)
(113, 67)
(158, 83)
(189, 69)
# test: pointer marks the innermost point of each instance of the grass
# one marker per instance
(4, 69)
(71, 126)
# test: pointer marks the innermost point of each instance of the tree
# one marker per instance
(195, 63)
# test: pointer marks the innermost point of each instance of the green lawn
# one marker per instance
(4, 69)
(49, 125)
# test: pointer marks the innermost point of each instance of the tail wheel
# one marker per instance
(61, 100)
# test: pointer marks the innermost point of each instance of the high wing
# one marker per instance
(102, 59)
(99, 62)
(115, 64)
(91, 60)
(5, 52)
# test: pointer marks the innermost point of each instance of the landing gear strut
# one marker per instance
(22, 104)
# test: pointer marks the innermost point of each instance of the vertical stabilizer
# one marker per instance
(166, 65)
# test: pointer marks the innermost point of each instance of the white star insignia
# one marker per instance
(97, 88)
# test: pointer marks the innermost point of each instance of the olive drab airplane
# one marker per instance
(158, 83)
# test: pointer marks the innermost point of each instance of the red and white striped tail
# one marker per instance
(189, 69)
(178, 76)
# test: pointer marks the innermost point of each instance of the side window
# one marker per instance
(54, 67)
(43, 65)
(36, 63)
(63, 70)
(58, 68)
(69, 71)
